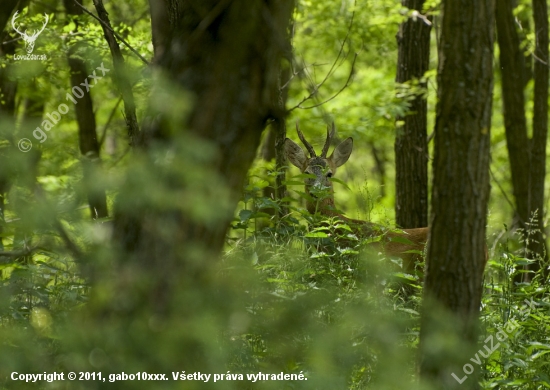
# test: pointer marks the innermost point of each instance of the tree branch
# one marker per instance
(18, 253)
(107, 26)
(329, 73)
(350, 76)
(123, 84)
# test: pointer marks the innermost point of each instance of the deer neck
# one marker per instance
(324, 206)
(327, 208)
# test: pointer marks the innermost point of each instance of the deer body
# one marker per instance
(322, 169)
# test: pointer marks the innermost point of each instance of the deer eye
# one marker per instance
(329, 175)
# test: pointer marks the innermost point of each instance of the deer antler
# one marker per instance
(306, 144)
(330, 134)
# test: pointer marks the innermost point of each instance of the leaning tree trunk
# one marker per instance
(456, 249)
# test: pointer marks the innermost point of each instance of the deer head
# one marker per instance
(321, 168)
(29, 39)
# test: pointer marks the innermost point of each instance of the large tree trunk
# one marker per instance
(218, 63)
(411, 148)
(456, 249)
(527, 156)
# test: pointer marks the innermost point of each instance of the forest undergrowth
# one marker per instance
(306, 298)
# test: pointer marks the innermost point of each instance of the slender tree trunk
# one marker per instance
(512, 65)
(279, 127)
(87, 139)
(273, 148)
(456, 249)
(411, 145)
(87, 134)
(268, 154)
(8, 85)
(32, 116)
(537, 241)
(527, 156)
(380, 162)
(120, 73)
(8, 89)
(411, 148)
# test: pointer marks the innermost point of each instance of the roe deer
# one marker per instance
(322, 169)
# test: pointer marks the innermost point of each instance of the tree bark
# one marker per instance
(229, 61)
(8, 85)
(273, 148)
(120, 71)
(512, 65)
(87, 134)
(219, 62)
(527, 156)
(279, 127)
(8, 89)
(411, 147)
(380, 161)
(456, 249)
(537, 241)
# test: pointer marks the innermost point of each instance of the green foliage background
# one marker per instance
(284, 297)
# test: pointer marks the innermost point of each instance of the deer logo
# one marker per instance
(29, 39)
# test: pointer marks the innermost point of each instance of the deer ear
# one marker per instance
(295, 154)
(342, 152)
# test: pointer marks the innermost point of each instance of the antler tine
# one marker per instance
(306, 144)
(330, 134)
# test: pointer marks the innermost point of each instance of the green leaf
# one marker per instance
(254, 259)
(372, 239)
(407, 310)
(343, 226)
(245, 215)
(69, 27)
(340, 182)
(348, 251)
(316, 235)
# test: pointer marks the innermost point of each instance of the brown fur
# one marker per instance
(321, 167)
